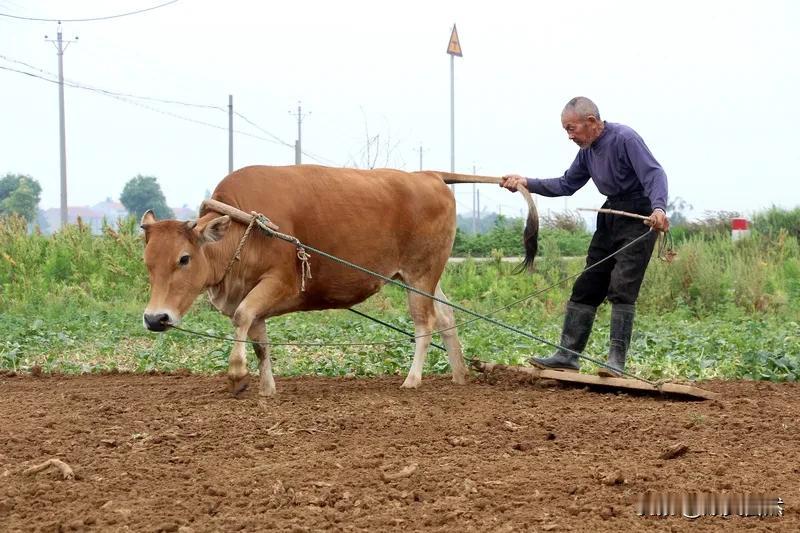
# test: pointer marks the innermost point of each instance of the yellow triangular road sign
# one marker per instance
(454, 48)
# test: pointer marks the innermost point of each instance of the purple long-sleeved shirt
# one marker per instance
(618, 162)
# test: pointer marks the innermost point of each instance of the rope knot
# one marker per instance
(237, 255)
(305, 266)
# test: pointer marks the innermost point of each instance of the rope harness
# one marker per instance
(237, 253)
(302, 255)
(258, 219)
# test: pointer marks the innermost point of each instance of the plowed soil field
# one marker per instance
(177, 453)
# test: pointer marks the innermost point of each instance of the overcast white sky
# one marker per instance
(711, 86)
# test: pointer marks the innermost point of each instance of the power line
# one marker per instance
(132, 102)
(320, 159)
(78, 85)
(317, 158)
(26, 65)
(277, 139)
(88, 19)
(127, 98)
(123, 96)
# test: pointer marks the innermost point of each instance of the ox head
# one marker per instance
(179, 270)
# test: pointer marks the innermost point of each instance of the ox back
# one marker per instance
(395, 223)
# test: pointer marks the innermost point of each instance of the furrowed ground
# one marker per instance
(342, 447)
(175, 452)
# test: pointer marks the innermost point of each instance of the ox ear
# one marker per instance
(216, 229)
(148, 218)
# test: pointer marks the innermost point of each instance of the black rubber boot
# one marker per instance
(574, 336)
(619, 339)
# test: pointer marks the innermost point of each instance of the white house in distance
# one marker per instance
(92, 216)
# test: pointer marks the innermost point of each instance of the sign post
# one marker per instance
(454, 49)
(739, 228)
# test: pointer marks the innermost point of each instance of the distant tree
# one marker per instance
(19, 194)
(41, 220)
(675, 211)
(142, 193)
(487, 221)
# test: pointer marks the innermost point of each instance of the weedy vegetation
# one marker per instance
(72, 302)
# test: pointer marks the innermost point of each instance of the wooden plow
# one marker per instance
(575, 378)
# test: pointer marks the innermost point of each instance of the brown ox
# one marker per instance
(398, 224)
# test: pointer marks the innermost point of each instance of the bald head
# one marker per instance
(582, 107)
(581, 120)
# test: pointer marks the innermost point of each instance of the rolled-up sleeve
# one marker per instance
(649, 171)
(573, 179)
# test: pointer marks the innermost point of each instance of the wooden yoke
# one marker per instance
(236, 214)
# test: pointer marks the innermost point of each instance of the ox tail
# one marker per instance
(530, 236)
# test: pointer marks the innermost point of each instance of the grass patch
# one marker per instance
(72, 302)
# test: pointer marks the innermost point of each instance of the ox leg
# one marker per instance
(258, 333)
(238, 377)
(423, 314)
(255, 305)
(445, 322)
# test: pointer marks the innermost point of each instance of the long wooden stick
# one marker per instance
(450, 178)
(615, 212)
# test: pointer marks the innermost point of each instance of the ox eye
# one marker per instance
(184, 260)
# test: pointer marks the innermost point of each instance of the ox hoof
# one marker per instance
(411, 383)
(460, 379)
(238, 385)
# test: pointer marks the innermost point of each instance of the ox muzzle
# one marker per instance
(158, 321)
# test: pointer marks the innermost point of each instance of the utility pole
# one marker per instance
(479, 208)
(474, 205)
(298, 150)
(230, 133)
(454, 49)
(60, 48)
(420, 157)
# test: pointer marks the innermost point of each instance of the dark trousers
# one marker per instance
(619, 278)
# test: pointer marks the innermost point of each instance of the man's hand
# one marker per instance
(658, 220)
(512, 182)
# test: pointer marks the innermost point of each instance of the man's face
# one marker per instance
(581, 130)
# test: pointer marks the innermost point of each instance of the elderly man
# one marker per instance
(616, 158)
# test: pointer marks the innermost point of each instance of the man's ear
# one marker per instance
(215, 230)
